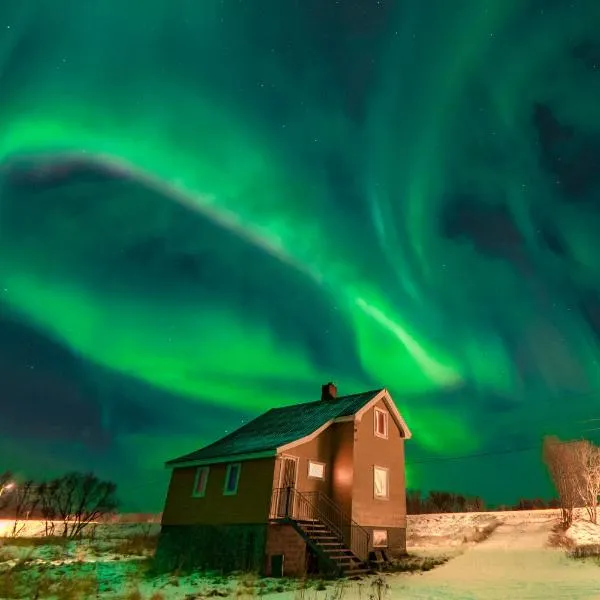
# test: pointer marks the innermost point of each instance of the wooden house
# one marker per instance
(315, 486)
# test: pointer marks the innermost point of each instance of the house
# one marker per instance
(319, 485)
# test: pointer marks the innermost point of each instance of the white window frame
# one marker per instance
(316, 462)
(382, 533)
(199, 470)
(386, 418)
(233, 492)
(387, 481)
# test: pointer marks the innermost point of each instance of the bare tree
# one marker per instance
(47, 504)
(587, 455)
(79, 499)
(563, 465)
(5, 480)
(474, 504)
(414, 502)
(24, 502)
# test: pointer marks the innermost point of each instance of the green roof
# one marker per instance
(278, 427)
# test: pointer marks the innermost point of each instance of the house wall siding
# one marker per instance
(342, 464)
(250, 505)
(334, 447)
(370, 451)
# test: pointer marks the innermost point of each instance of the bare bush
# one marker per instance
(588, 480)
(563, 465)
(24, 501)
(76, 499)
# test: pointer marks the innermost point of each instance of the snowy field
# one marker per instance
(506, 555)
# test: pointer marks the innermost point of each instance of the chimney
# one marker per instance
(328, 391)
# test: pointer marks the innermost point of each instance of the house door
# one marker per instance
(287, 486)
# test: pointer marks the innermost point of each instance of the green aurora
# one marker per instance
(213, 207)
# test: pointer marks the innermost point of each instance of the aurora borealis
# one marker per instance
(211, 208)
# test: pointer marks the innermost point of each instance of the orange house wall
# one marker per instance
(371, 451)
(334, 447)
(250, 504)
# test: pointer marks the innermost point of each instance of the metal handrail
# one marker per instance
(343, 514)
(301, 506)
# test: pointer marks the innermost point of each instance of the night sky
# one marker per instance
(209, 208)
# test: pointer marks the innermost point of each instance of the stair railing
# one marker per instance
(289, 503)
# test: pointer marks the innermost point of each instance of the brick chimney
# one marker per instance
(328, 391)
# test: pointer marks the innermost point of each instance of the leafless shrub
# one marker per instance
(379, 588)
(77, 500)
(24, 501)
(562, 463)
(588, 480)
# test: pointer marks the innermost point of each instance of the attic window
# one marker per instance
(232, 478)
(381, 423)
(316, 470)
(200, 482)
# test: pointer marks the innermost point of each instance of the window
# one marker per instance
(380, 539)
(232, 478)
(200, 482)
(381, 488)
(381, 423)
(316, 470)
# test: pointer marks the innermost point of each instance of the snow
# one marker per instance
(504, 555)
(583, 533)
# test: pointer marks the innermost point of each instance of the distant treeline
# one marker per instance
(449, 502)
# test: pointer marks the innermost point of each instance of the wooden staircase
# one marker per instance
(341, 545)
(331, 548)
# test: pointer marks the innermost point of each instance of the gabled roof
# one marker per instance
(279, 427)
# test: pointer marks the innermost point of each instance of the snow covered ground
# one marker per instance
(492, 555)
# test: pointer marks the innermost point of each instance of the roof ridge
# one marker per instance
(330, 401)
(279, 426)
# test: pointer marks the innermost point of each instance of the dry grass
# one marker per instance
(558, 539)
(36, 542)
(416, 564)
(585, 551)
(136, 545)
(21, 583)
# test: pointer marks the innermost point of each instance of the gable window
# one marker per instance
(232, 478)
(381, 482)
(380, 538)
(316, 470)
(381, 423)
(200, 482)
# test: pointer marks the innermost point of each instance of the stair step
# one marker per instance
(334, 543)
(344, 559)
